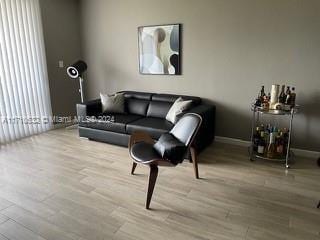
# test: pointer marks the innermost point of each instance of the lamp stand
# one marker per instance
(75, 126)
(81, 88)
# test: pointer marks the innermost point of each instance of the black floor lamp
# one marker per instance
(75, 71)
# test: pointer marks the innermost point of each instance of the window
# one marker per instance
(25, 107)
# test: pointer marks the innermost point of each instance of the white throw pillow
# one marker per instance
(112, 104)
(178, 107)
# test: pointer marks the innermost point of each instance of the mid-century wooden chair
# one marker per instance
(142, 151)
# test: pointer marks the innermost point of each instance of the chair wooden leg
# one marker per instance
(152, 181)
(134, 165)
(318, 205)
(195, 162)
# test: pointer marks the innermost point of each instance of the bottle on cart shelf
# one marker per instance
(282, 95)
(270, 141)
(265, 102)
(261, 144)
(285, 139)
(257, 103)
(256, 139)
(285, 133)
(267, 134)
(288, 90)
(275, 129)
(293, 97)
(262, 93)
(280, 144)
(271, 146)
(288, 95)
(269, 97)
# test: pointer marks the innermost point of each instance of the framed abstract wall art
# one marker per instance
(160, 49)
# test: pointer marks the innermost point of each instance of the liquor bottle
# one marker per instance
(277, 141)
(282, 95)
(271, 147)
(275, 130)
(280, 144)
(265, 102)
(257, 103)
(261, 144)
(256, 139)
(285, 139)
(262, 93)
(285, 134)
(267, 132)
(269, 97)
(266, 138)
(288, 90)
(288, 93)
(293, 98)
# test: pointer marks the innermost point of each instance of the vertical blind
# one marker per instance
(25, 106)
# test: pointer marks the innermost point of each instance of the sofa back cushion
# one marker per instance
(137, 106)
(172, 98)
(137, 95)
(158, 109)
(153, 104)
(137, 102)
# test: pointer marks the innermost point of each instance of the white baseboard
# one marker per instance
(243, 143)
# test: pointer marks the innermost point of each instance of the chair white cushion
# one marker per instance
(177, 109)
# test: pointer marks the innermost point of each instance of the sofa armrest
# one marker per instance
(206, 132)
(89, 109)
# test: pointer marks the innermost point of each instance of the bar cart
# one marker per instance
(256, 114)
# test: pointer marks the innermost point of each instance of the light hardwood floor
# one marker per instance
(58, 186)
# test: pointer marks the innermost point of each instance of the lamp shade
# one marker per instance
(76, 69)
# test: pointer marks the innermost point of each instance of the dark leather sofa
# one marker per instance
(145, 112)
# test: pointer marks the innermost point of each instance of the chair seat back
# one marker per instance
(186, 128)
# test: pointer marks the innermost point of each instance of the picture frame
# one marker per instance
(159, 49)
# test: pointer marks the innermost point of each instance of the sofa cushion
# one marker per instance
(118, 125)
(153, 126)
(158, 109)
(137, 106)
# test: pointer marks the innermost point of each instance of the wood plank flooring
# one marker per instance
(56, 186)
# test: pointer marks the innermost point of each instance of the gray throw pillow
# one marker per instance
(113, 104)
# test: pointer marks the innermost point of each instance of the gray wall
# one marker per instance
(230, 49)
(61, 24)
